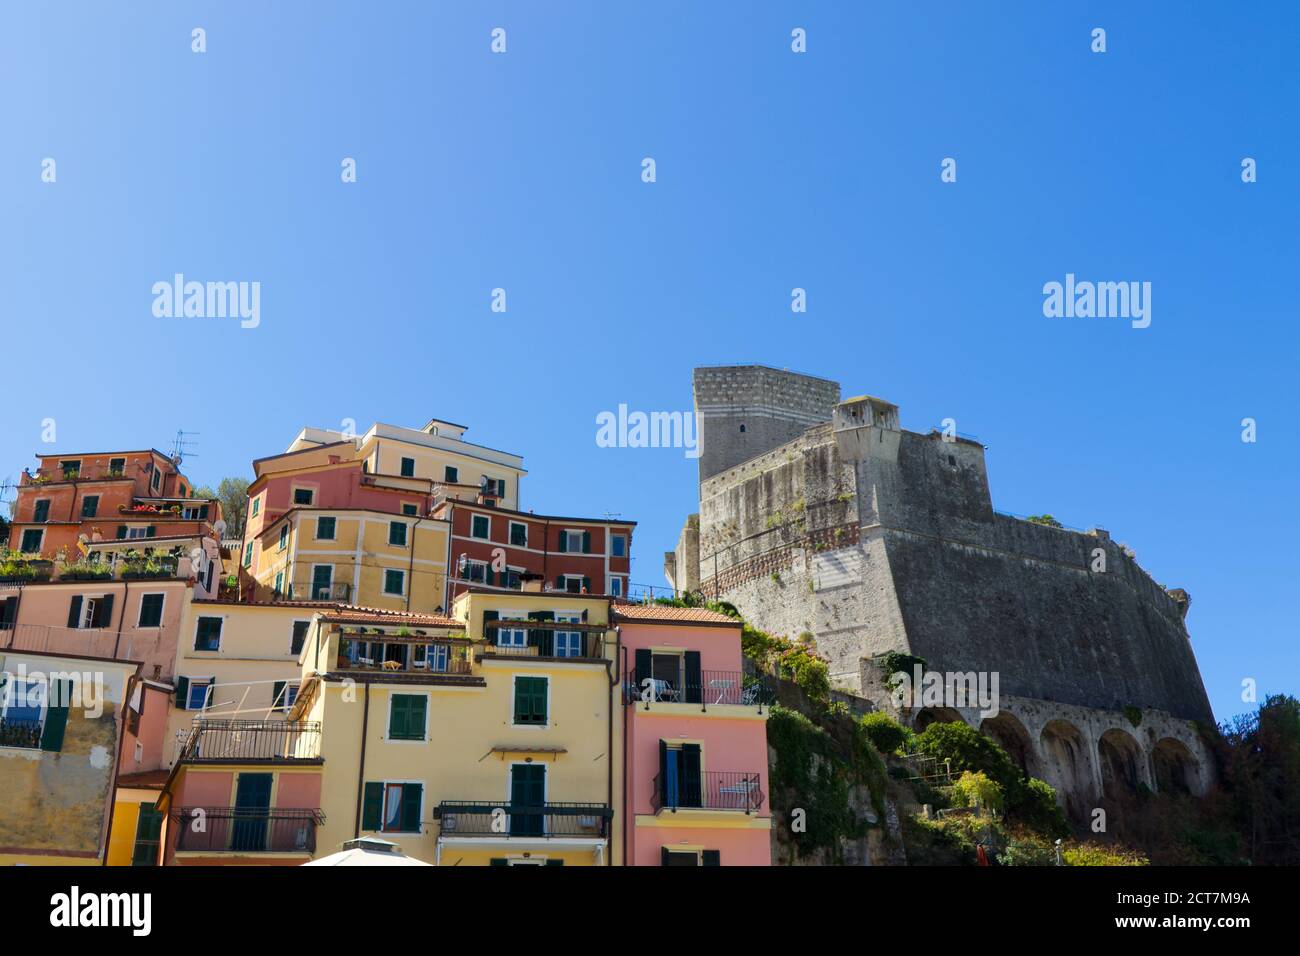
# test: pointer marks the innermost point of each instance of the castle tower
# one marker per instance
(744, 410)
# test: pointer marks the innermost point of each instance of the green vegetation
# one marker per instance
(1045, 520)
(886, 734)
(975, 789)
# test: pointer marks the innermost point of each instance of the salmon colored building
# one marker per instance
(103, 496)
(695, 731)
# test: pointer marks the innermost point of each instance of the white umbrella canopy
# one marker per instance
(368, 851)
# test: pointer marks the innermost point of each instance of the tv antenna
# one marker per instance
(183, 446)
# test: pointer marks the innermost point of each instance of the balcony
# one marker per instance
(471, 818)
(673, 685)
(239, 830)
(251, 741)
(713, 790)
(20, 733)
(16, 568)
(340, 591)
(411, 654)
(551, 640)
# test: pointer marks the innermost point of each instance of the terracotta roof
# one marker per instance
(665, 614)
(356, 614)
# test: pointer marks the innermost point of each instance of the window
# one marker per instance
(513, 578)
(116, 466)
(568, 643)
(616, 587)
(248, 555)
(519, 534)
(406, 716)
(279, 583)
(257, 505)
(156, 481)
(32, 540)
(512, 636)
(397, 533)
(574, 583)
(299, 636)
(89, 506)
(136, 532)
(474, 571)
(207, 636)
(530, 700)
(180, 490)
(577, 542)
(86, 611)
(618, 546)
(303, 496)
(451, 475)
(497, 485)
(325, 529)
(71, 469)
(194, 693)
(480, 526)
(284, 536)
(413, 510)
(41, 512)
(679, 775)
(408, 467)
(394, 582)
(322, 581)
(392, 807)
(283, 694)
(151, 608)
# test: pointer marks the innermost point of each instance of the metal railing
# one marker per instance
(20, 733)
(145, 644)
(711, 790)
(240, 830)
(251, 740)
(379, 654)
(338, 591)
(505, 819)
(711, 688)
(552, 641)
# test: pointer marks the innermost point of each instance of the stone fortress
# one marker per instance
(824, 517)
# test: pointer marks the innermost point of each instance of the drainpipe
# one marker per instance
(410, 572)
(126, 593)
(621, 656)
(613, 683)
(361, 772)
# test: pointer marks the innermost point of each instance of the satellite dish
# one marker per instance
(219, 526)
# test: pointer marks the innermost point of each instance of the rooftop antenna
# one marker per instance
(182, 446)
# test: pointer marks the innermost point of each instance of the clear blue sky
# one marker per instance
(775, 170)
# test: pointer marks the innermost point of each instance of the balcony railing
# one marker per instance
(20, 733)
(711, 790)
(708, 689)
(142, 644)
(239, 830)
(476, 818)
(338, 591)
(543, 639)
(402, 655)
(232, 741)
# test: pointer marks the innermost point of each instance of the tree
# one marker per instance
(233, 495)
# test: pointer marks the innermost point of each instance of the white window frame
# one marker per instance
(567, 617)
(319, 519)
(406, 534)
(306, 636)
(40, 542)
(474, 518)
(162, 611)
(550, 715)
(619, 537)
(313, 596)
(568, 541)
(572, 577)
(388, 720)
(293, 496)
(402, 592)
(615, 586)
(510, 533)
(383, 805)
(520, 632)
(470, 565)
(194, 644)
(206, 683)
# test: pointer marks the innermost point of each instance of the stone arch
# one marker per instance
(935, 715)
(1174, 769)
(1064, 756)
(1010, 734)
(1120, 758)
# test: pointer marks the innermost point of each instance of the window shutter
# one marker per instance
(121, 531)
(203, 513)
(417, 715)
(586, 542)
(564, 541)
(487, 575)
(690, 782)
(712, 858)
(411, 793)
(104, 612)
(56, 716)
(694, 690)
(489, 616)
(663, 856)
(74, 611)
(555, 863)
(182, 693)
(663, 771)
(521, 699)
(644, 664)
(372, 806)
(586, 584)
(397, 717)
(277, 695)
(498, 861)
(150, 531)
(559, 581)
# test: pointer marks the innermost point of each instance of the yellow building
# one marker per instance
(391, 561)
(490, 737)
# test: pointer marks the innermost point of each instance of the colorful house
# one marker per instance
(695, 735)
(73, 499)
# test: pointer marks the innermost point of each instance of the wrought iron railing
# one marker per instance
(478, 818)
(708, 689)
(252, 740)
(711, 790)
(240, 830)
(20, 733)
(550, 641)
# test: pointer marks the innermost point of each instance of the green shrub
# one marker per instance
(886, 734)
(1036, 807)
(1100, 854)
(977, 790)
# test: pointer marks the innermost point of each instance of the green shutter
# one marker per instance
(586, 584)
(564, 541)
(74, 611)
(104, 612)
(712, 858)
(521, 700)
(694, 682)
(487, 617)
(487, 576)
(121, 531)
(411, 793)
(150, 531)
(56, 716)
(416, 715)
(277, 694)
(586, 542)
(498, 861)
(372, 806)
(182, 693)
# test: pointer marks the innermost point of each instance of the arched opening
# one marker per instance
(1174, 768)
(1066, 766)
(1010, 734)
(935, 715)
(1121, 759)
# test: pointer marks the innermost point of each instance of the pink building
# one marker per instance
(695, 741)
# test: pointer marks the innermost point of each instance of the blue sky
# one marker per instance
(774, 171)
